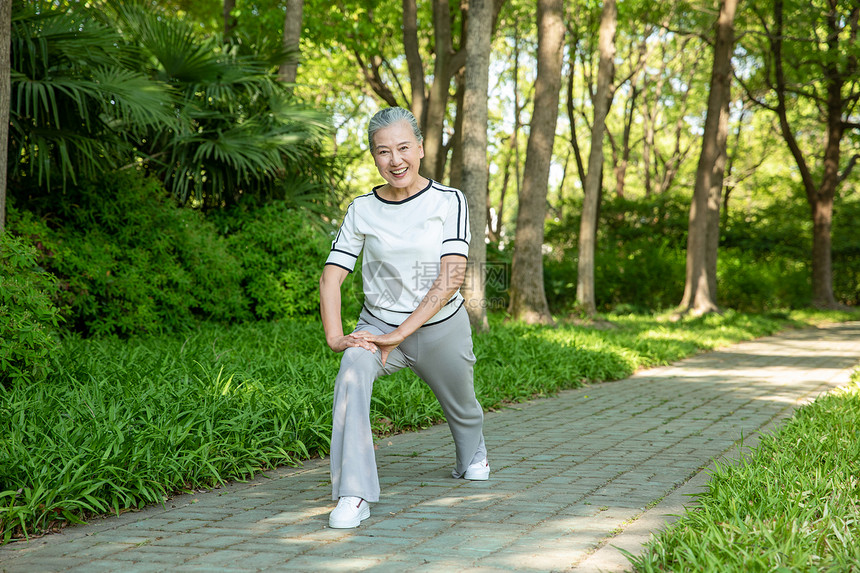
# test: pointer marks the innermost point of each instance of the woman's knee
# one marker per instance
(357, 357)
(357, 366)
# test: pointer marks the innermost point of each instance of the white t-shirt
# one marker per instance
(403, 242)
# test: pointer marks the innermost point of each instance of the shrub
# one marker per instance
(282, 256)
(763, 260)
(752, 282)
(846, 252)
(27, 316)
(130, 261)
(639, 256)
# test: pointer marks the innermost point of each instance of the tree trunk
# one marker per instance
(413, 59)
(621, 168)
(528, 298)
(455, 144)
(822, 266)
(437, 104)
(585, 296)
(820, 197)
(292, 34)
(474, 174)
(648, 141)
(229, 20)
(494, 220)
(730, 161)
(650, 115)
(512, 157)
(571, 112)
(700, 289)
(512, 160)
(5, 100)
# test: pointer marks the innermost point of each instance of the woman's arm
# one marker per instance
(330, 304)
(452, 271)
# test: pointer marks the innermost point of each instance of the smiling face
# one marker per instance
(397, 154)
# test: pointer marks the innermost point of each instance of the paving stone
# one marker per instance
(41, 565)
(107, 565)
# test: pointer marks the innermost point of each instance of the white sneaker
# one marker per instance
(479, 471)
(350, 512)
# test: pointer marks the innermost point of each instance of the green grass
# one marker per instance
(123, 423)
(792, 504)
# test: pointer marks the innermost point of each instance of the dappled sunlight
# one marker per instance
(451, 501)
(787, 400)
(554, 543)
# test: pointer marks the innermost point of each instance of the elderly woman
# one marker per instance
(415, 236)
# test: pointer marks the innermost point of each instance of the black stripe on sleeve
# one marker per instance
(339, 266)
(460, 216)
(465, 218)
(462, 209)
(344, 252)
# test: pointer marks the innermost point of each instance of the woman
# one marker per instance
(415, 236)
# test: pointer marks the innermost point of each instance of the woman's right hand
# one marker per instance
(341, 343)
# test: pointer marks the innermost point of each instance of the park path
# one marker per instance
(575, 477)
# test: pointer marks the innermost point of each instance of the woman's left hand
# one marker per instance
(385, 342)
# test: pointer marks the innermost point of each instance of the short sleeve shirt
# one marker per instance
(403, 243)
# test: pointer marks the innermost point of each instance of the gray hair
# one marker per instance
(389, 116)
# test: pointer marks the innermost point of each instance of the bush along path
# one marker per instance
(572, 476)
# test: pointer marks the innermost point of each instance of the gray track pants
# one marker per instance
(441, 355)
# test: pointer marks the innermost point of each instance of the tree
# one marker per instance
(666, 108)
(228, 17)
(700, 289)
(447, 63)
(377, 35)
(368, 36)
(292, 34)
(5, 100)
(474, 173)
(528, 298)
(134, 88)
(508, 154)
(585, 297)
(818, 72)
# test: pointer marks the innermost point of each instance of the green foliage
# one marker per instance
(776, 229)
(117, 426)
(790, 505)
(762, 265)
(846, 250)
(136, 263)
(242, 134)
(76, 106)
(819, 51)
(639, 257)
(764, 259)
(756, 282)
(498, 277)
(120, 423)
(129, 261)
(282, 257)
(27, 316)
(94, 89)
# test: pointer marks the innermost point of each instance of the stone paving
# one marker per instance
(574, 478)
